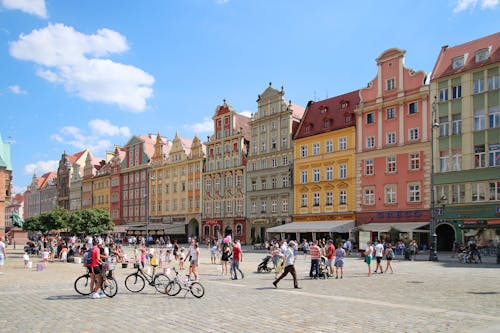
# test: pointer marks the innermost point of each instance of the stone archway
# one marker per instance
(445, 237)
(193, 229)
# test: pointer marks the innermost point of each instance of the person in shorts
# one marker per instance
(368, 256)
(330, 256)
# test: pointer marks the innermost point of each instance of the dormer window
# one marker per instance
(344, 105)
(458, 62)
(482, 55)
(323, 110)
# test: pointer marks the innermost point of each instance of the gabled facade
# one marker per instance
(224, 177)
(65, 173)
(48, 192)
(269, 199)
(324, 166)
(465, 85)
(75, 188)
(115, 191)
(87, 181)
(393, 151)
(101, 185)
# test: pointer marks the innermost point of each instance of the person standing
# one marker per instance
(368, 256)
(288, 262)
(235, 263)
(379, 254)
(315, 253)
(389, 255)
(339, 261)
(3, 254)
(225, 255)
(413, 250)
(330, 256)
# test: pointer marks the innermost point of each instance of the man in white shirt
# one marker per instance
(379, 253)
(288, 262)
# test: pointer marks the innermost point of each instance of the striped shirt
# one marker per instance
(315, 252)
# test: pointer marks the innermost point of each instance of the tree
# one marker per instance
(90, 221)
(32, 224)
(47, 221)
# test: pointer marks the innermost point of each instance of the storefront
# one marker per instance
(317, 229)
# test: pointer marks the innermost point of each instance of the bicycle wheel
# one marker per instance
(134, 283)
(173, 288)
(82, 285)
(110, 287)
(161, 281)
(197, 289)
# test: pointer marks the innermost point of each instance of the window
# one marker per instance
(391, 84)
(415, 161)
(343, 197)
(274, 205)
(274, 163)
(494, 117)
(478, 86)
(458, 62)
(329, 173)
(369, 169)
(414, 192)
(303, 200)
(284, 205)
(343, 171)
(479, 120)
(457, 193)
(329, 198)
(329, 146)
(274, 182)
(456, 92)
(315, 148)
(273, 143)
(479, 156)
(326, 123)
(456, 160)
(482, 55)
(444, 126)
(391, 164)
(413, 108)
(316, 199)
(478, 192)
(493, 82)
(286, 181)
(254, 207)
(370, 142)
(229, 207)
(443, 161)
(285, 160)
(303, 176)
(316, 177)
(443, 94)
(343, 143)
(263, 164)
(391, 138)
(370, 118)
(413, 135)
(494, 190)
(390, 113)
(263, 206)
(494, 154)
(263, 184)
(456, 124)
(390, 194)
(369, 196)
(303, 151)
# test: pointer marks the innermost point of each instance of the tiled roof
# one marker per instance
(443, 66)
(44, 180)
(297, 111)
(75, 157)
(328, 115)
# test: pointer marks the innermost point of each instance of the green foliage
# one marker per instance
(90, 221)
(394, 234)
(32, 224)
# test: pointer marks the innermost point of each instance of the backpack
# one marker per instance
(87, 258)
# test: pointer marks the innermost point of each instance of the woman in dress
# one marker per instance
(339, 261)
(226, 253)
(389, 255)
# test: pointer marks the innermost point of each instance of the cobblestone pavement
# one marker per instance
(420, 296)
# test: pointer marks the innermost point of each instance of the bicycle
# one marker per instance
(109, 284)
(135, 282)
(175, 286)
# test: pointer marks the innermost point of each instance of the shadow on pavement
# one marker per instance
(65, 297)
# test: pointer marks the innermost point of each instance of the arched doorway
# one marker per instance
(445, 237)
(228, 231)
(194, 229)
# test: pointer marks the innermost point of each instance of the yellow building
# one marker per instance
(324, 170)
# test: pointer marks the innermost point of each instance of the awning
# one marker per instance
(168, 229)
(342, 226)
(120, 228)
(401, 226)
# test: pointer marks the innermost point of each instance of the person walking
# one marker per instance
(379, 254)
(288, 262)
(235, 263)
(368, 256)
(389, 256)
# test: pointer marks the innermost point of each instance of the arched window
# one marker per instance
(239, 230)
(206, 232)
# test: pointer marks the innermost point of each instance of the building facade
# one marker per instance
(224, 177)
(393, 150)
(465, 84)
(65, 173)
(5, 182)
(269, 199)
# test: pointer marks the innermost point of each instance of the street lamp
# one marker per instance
(432, 231)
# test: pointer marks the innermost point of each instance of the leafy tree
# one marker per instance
(90, 221)
(32, 224)
(47, 221)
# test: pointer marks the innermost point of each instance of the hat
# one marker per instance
(292, 243)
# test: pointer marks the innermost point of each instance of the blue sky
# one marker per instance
(90, 74)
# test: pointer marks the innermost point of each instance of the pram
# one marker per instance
(324, 270)
(264, 265)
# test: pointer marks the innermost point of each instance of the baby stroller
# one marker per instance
(324, 270)
(264, 265)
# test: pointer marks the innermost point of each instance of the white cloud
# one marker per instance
(462, 5)
(41, 167)
(76, 60)
(246, 113)
(33, 7)
(207, 125)
(97, 139)
(17, 90)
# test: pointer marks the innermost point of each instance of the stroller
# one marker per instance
(324, 271)
(264, 265)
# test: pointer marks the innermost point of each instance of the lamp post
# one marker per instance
(432, 231)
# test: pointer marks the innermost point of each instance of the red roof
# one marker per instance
(75, 157)
(443, 66)
(328, 115)
(44, 180)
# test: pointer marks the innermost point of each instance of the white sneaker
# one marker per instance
(96, 296)
(91, 295)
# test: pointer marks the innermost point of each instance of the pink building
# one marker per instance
(393, 150)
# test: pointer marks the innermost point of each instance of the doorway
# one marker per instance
(445, 237)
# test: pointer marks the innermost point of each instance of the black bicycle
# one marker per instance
(136, 281)
(109, 284)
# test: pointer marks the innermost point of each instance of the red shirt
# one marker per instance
(330, 252)
(96, 254)
(236, 253)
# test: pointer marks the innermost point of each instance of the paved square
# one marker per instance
(420, 296)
